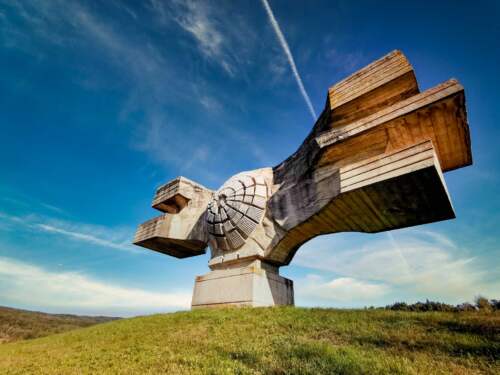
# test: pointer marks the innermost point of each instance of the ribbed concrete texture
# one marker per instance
(373, 161)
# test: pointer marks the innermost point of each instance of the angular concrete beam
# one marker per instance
(181, 232)
(437, 114)
(155, 234)
(389, 191)
(173, 196)
(375, 87)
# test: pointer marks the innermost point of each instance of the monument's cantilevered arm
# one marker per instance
(374, 158)
(181, 230)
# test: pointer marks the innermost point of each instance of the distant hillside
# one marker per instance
(18, 324)
(269, 341)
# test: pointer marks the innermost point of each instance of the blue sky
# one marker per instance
(102, 101)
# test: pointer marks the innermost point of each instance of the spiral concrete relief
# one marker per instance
(235, 211)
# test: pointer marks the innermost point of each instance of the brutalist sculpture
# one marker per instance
(372, 162)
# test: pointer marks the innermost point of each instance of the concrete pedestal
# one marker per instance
(255, 284)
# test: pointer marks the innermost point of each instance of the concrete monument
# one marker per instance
(373, 162)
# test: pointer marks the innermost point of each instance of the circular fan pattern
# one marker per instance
(235, 211)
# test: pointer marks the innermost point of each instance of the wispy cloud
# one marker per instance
(341, 62)
(135, 56)
(85, 237)
(196, 19)
(33, 204)
(124, 8)
(114, 238)
(288, 53)
(210, 103)
(51, 207)
(413, 263)
(342, 289)
(156, 75)
(31, 286)
(157, 83)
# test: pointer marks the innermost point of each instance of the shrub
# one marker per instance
(422, 306)
(466, 307)
(400, 306)
(495, 304)
(483, 304)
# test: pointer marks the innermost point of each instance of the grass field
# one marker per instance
(269, 340)
(18, 324)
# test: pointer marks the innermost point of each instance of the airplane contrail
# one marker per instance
(286, 49)
(397, 248)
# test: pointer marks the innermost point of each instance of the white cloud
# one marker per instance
(115, 238)
(28, 202)
(121, 6)
(85, 237)
(412, 263)
(153, 77)
(288, 53)
(343, 289)
(141, 66)
(344, 62)
(210, 103)
(221, 35)
(30, 286)
(195, 18)
(51, 208)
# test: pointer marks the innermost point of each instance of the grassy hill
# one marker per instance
(18, 324)
(269, 340)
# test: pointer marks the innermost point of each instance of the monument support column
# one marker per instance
(247, 283)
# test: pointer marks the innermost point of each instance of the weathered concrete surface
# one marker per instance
(373, 161)
(181, 231)
(254, 284)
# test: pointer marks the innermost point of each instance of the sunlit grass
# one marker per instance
(270, 340)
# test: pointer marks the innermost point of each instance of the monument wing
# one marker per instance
(181, 230)
(374, 159)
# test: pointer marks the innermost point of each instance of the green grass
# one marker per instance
(269, 340)
(18, 324)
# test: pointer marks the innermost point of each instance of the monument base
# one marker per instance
(255, 284)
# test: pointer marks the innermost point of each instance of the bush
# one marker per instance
(481, 303)
(495, 304)
(466, 307)
(400, 306)
(422, 306)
